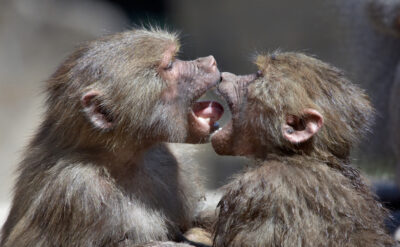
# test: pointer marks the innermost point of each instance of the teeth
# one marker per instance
(205, 120)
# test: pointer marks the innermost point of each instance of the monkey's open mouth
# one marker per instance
(206, 114)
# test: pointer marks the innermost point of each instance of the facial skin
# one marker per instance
(188, 80)
(183, 82)
(233, 139)
(192, 79)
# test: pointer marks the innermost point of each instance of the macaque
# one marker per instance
(97, 173)
(298, 118)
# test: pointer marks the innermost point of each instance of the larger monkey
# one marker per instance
(95, 174)
(299, 119)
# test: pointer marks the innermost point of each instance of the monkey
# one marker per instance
(297, 118)
(97, 171)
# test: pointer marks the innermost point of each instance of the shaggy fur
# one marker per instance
(80, 185)
(305, 194)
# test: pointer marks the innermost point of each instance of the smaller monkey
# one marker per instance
(298, 118)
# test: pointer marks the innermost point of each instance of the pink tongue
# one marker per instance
(208, 109)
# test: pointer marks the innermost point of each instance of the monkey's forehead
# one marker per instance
(144, 47)
(156, 35)
(156, 42)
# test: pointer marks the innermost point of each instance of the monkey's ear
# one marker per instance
(300, 129)
(97, 114)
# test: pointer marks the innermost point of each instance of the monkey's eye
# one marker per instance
(169, 66)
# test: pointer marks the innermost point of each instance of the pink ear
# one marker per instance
(94, 111)
(300, 129)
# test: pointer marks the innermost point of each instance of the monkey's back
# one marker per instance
(297, 202)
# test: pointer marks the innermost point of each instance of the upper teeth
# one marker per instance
(205, 120)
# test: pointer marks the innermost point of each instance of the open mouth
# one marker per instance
(207, 114)
(204, 114)
(221, 139)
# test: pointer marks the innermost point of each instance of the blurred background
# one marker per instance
(36, 35)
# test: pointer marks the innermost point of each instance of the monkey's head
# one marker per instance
(293, 104)
(130, 88)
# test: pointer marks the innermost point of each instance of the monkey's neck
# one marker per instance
(121, 165)
(118, 157)
(87, 148)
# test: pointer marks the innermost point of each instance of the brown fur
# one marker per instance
(83, 183)
(303, 194)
